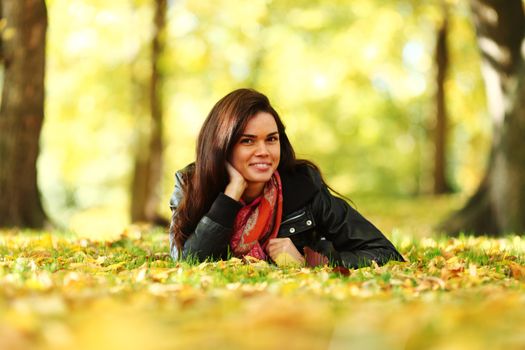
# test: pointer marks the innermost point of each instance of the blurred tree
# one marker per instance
(498, 206)
(148, 160)
(24, 26)
(441, 184)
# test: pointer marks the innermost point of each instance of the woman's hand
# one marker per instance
(284, 252)
(237, 184)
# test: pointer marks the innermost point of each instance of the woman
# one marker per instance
(247, 194)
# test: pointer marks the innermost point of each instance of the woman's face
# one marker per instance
(257, 153)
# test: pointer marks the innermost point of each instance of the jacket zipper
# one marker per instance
(293, 217)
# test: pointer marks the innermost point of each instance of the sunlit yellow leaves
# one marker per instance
(67, 293)
(40, 281)
(321, 62)
(360, 73)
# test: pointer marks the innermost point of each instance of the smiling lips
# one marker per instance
(261, 166)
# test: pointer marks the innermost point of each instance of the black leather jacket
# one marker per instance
(312, 217)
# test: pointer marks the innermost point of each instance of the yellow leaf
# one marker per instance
(8, 33)
(141, 275)
(100, 260)
(114, 267)
(286, 260)
(473, 270)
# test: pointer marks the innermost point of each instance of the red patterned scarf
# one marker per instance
(258, 222)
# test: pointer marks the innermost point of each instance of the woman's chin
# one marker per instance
(260, 177)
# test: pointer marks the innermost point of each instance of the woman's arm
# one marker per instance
(211, 236)
(356, 242)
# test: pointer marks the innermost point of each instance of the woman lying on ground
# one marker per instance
(247, 194)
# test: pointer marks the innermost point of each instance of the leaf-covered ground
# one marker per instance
(59, 292)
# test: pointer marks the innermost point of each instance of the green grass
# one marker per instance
(58, 291)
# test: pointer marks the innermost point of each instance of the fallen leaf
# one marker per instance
(114, 267)
(342, 270)
(284, 259)
(517, 271)
(314, 258)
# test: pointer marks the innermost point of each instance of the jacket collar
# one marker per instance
(298, 189)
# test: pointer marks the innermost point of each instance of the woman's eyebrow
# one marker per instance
(254, 136)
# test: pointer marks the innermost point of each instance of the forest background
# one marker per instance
(355, 84)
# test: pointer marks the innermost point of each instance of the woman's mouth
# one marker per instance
(261, 166)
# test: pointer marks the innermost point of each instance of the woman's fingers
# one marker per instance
(278, 244)
(237, 183)
(233, 173)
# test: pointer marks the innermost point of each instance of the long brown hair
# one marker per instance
(220, 132)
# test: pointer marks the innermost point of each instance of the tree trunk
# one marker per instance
(441, 184)
(148, 161)
(498, 206)
(22, 111)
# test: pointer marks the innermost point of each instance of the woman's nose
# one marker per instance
(262, 149)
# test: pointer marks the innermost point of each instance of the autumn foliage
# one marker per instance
(61, 292)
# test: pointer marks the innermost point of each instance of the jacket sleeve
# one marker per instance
(211, 236)
(356, 242)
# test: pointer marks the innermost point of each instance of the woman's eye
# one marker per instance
(273, 139)
(246, 141)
